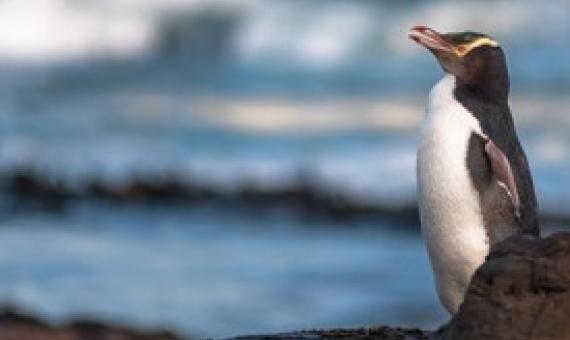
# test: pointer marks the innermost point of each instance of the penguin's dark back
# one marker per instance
(497, 123)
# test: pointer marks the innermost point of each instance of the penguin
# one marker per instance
(474, 183)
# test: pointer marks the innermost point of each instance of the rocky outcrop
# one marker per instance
(521, 292)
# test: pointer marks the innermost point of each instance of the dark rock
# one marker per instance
(521, 292)
(30, 189)
(16, 325)
(379, 333)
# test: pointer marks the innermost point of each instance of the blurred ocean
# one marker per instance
(234, 95)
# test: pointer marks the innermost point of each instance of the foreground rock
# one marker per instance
(17, 326)
(521, 292)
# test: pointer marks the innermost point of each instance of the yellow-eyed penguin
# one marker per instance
(474, 183)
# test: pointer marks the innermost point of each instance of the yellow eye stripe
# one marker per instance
(462, 50)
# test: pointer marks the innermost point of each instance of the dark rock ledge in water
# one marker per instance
(521, 292)
(31, 189)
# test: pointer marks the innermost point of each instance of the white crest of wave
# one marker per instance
(305, 32)
(56, 29)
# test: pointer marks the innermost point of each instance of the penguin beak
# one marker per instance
(430, 39)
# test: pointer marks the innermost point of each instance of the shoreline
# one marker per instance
(16, 323)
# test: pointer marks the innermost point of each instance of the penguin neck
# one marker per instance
(488, 103)
(491, 86)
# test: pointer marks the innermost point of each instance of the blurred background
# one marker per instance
(226, 167)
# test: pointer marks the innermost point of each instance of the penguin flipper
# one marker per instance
(503, 172)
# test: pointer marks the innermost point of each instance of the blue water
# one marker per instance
(211, 273)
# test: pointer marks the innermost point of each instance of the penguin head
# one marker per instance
(474, 58)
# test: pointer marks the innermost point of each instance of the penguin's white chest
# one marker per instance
(450, 210)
